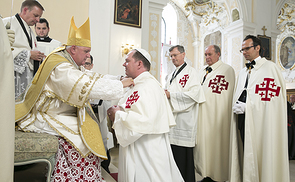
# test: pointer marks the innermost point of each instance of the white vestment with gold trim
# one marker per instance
(64, 98)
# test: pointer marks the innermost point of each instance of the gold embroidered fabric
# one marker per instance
(51, 99)
(91, 136)
(79, 36)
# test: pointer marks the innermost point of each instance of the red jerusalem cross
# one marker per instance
(268, 89)
(183, 80)
(132, 99)
(218, 84)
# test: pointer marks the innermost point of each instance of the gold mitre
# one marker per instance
(79, 36)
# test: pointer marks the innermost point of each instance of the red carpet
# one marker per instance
(114, 175)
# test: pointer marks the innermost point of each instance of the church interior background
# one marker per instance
(194, 24)
(225, 23)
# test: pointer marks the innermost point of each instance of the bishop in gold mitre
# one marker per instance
(57, 103)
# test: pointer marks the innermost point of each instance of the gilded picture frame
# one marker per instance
(286, 52)
(265, 46)
(128, 12)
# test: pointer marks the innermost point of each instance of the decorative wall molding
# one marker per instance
(286, 18)
(183, 26)
(154, 43)
(286, 24)
(215, 17)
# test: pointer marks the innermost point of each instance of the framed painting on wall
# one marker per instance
(266, 46)
(286, 52)
(128, 12)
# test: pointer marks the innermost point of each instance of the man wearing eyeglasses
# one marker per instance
(211, 153)
(184, 93)
(259, 145)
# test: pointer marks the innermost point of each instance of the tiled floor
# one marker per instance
(36, 172)
(114, 152)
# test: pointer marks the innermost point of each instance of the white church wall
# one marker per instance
(109, 37)
(234, 35)
(100, 33)
(121, 35)
(58, 13)
(185, 34)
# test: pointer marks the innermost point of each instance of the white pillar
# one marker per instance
(100, 28)
(151, 34)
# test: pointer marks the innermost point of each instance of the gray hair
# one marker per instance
(179, 48)
(217, 50)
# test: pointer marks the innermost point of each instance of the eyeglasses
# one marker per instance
(246, 49)
(87, 64)
(174, 55)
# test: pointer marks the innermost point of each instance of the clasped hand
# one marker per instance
(37, 55)
(112, 111)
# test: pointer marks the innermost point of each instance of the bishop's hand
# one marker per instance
(127, 82)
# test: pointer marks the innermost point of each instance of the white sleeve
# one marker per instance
(124, 136)
(107, 89)
(112, 77)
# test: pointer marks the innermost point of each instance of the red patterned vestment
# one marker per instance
(70, 166)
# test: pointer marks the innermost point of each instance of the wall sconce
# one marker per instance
(125, 49)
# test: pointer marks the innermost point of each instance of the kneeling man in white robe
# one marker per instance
(142, 121)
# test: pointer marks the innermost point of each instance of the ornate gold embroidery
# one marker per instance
(85, 87)
(31, 115)
(74, 87)
(90, 133)
(64, 137)
(48, 105)
(61, 124)
(80, 98)
(83, 91)
(99, 76)
(53, 95)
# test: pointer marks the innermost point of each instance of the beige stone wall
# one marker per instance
(57, 12)
(190, 49)
(154, 43)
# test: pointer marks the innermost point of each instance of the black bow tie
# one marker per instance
(250, 65)
(208, 69)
